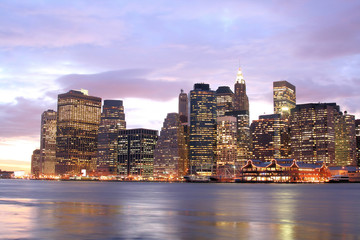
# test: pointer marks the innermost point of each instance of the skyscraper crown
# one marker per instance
(240, 77)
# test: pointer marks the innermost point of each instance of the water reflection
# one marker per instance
(179, 211)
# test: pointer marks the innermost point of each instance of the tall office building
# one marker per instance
(183, 107)
(35, 163)
(136, 152)
(170, 154)
(112, 120)
(243, 137)
(224, 100)
(270, 138)
(284, 94)
(202, 129)
(345, 140)
(48, 142)
(357, 134)
(320, 132)
(78, 122)
(226, 141)
(241, 100)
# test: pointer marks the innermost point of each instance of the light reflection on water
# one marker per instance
(96, 210)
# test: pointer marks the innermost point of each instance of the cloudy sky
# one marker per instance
(144, 52)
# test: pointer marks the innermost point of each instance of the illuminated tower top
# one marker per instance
(240, 77)
(241, 100)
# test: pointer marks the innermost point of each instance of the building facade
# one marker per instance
(48, 142)
(226, 141)
(112, 120)
(170, 154)
(320, 132)
(202, 129)
(270, 138)
(136, 152)
(243, 137)
(78, 122)
(284, 94)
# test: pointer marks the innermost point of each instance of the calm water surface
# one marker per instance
(119, 210)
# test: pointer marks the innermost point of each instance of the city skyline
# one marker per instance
(145, 59)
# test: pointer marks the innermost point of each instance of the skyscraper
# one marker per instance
(183, 107)
(241, 100)
(345, 140)
(320, 132)
(202, 129)
(78, 122)
(269, 137)
(284, 98)
(243, 136)
(112, 120)
(224, 100)
(48, 142)
(357, 134)
(226, 141)
(170, 154)
(35, 163)
(136, 152)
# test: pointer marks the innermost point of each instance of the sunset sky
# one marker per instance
(144, 52)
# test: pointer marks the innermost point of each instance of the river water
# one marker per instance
(131, 210)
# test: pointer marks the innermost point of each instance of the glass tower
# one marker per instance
(136, 152)
(202, 129)
(78, 122)
(112, 120)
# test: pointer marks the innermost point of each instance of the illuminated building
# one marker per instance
(224, 101)
(320, 132)
(112, 120)
(243, 136)
(226, 141)
(284, 98)
(241, 100)
(48, 142)
(283, 170)
(35, 163)
(357, 132)
(136, 152)
(202, 129)
(170, 154)
(78, 122)
(269, 137)
(183, 107)
(345, 140)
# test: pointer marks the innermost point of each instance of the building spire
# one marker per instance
(240, 77)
